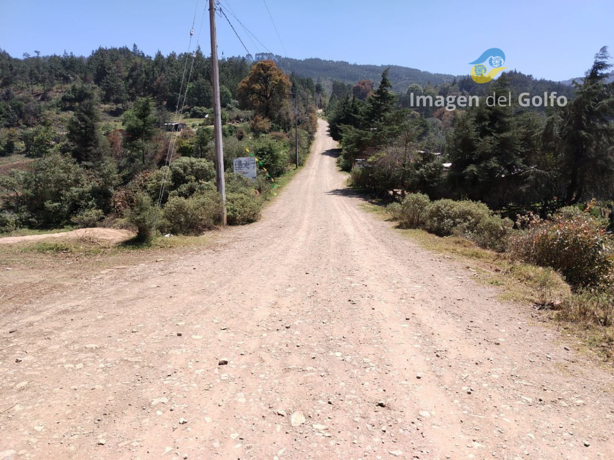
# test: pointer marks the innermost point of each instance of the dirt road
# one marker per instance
(318, 332)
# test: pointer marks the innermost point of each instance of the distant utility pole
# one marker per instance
(296, 125)
(217, 114)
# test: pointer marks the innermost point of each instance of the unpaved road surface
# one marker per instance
(318, 332)
(110, 235)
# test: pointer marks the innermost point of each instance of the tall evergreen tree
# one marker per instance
(84, 137)
(587, 134)
(140, 125)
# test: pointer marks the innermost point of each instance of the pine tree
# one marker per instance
(587, 134)
(140, 125)
(84, 138)
(382, 102)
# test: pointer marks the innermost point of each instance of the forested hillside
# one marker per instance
(87, 140)
(401, 77)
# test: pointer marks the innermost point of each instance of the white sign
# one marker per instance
(246, 166)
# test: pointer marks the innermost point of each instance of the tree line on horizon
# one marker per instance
(508, 157)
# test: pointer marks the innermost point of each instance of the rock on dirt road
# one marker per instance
(318, 332)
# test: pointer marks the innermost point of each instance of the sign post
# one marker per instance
(246, 166)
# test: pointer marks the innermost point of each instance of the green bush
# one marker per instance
(569, 212)
(8, 222)
(229, 130)
(394, 209)
(145, 216)
(493, 233)
(53, 190)
(194, 215)
(88, 218)
(39, 141)
(273, 155)
(242, 208)
(185, 177)
(199, 112)
(358, 178)
(447, 217)
(578, 248)
(413, 211)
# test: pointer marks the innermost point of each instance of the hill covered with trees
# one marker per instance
(401, 77)
(88, 141)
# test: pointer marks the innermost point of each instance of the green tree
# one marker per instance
(225, 96)
(200, 94)
(140, 126)
(485, 151)
(84, 137)
(382, 102)
(39, 141)
(587, 134)
(113, 88)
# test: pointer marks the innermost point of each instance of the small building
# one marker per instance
(174, 126)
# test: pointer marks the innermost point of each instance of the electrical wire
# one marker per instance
(230, 10)
(250, 34)
(233, 29)
(275, 27)
(179, 113)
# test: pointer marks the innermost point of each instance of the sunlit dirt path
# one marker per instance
(318, 332)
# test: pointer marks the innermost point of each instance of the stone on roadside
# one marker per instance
(297, 419)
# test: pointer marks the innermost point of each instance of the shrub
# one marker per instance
(273, 156)
(88, 218)
(394, 209)
(194, 215)
(359, 177)
(199, 112)
(185, 176)
(242, 208)
(413, 211)
(144, 216)
(577, 248)
(260, 125)
(568, 212)
(8, 222)
(229, 130)
(447, 217)
(493, 233)
(53, 190)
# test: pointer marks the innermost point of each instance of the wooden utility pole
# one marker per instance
(217, 114)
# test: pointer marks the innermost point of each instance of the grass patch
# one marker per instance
(29, 232)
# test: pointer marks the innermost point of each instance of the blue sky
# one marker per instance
(553, 39)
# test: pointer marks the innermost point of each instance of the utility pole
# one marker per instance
(296, 125)
(217, 114)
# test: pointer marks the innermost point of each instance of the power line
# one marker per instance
(178, 112)
(251, 34)
(232, 13)
(233, 29)
(275, 27)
